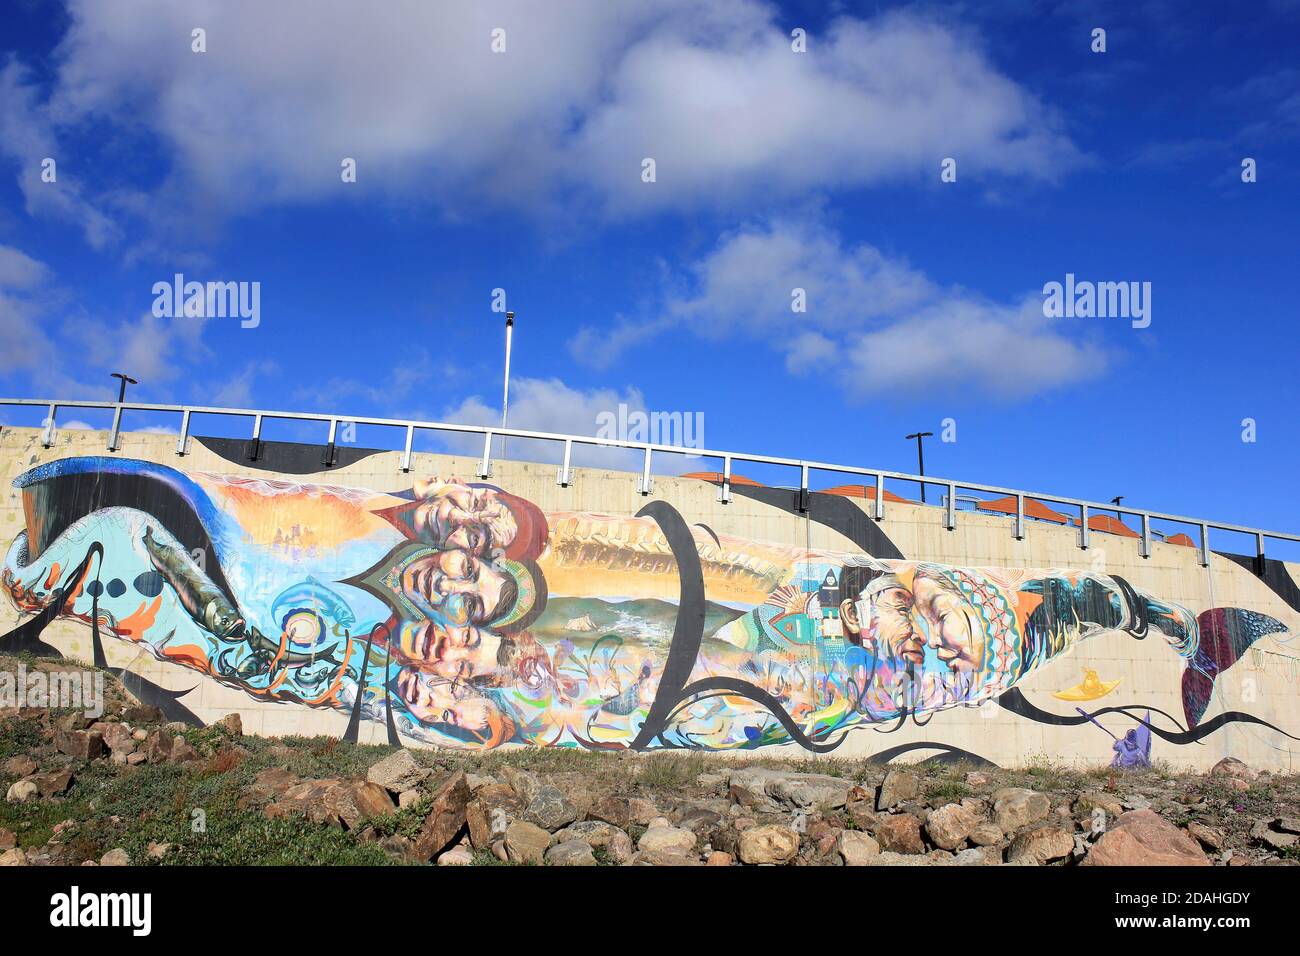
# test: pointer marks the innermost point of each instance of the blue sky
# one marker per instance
(775, 170)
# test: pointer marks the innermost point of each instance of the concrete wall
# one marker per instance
(536, 674)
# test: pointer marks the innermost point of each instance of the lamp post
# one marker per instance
(505, 394)
(920, 458)
(121, 392)
(1115, 501)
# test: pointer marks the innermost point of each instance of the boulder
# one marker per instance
(354, 801)
(232, 724)
(773, 843)
(763, 788)
(950, 826)
(447, 817)
(1209, 837)
(986, 834)
(1232, 767)
(549, 809)
(1089, 801)
(900, 833)
(1041, 845)
(1144, 838)
(85, 744)
(719, 858)
(22, 791)
(397, 772)
(524, 784)
(571, 853)
(666, 839)
(1015, 807)
(14, 857)
(615, 810)
(52, 782)
(19, 766)
(116, 857)
(856, 848)
(182, 751)
(8, 839)
(898, 786)
(526, 842)
(142, 714)
(459, 855)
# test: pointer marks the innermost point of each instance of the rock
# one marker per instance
(118, 738)
(1287, 824)
(549, 809)
(642, 810)
(158, 850)
(445, 820)
(1232, 767)
(308, 798)
(1091, 800)
(1277, 841)
(986, 834)
(135, 759)
(175, 727)
(476, 781)
(863, 817)
(117, 857)
(719, 858)
(8, 839)
(19, 766)
(268, 784)
(656, 858)
(856, 848)
(408, 798)
(397, 772)
(700, 820)
(157, 747)
(898, 786)
(182, 751)
(977, 856)
(1210, 837)
(1144, 838)
(52, 782)
(594, 833)
(950, 825)
(14, 857)
(143, 714)
(772, 843)
(1041, 845)
(1135, 801)
(526, 842)
(613, 810)
(1014, 807)
(900, 833)
(22, 791)
(977, 778)
(666, 839)
(619, 847)
(459, 855)
(355, 801)
(763, 788)
(523, 783)
(571, 853)
(85, 744)
(232, 724)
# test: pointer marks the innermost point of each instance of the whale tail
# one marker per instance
(1225, 633)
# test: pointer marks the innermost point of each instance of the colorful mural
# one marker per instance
(461, 615)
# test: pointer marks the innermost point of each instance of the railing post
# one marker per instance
(329, 447)
(255, 445)
(950, 517)
(47, 439)
(406, 450)
(724, 493)
(485, 463)
(117, 427)
(182, 442)
(880, 497)
(1205, 545)
(1083, 527)
(1145, 546)
(1261, 561)
(563, 477)
(1019, 528)
(803, 489)
(644, 484)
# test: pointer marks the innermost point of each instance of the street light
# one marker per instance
(1115, 501)
(121, 392)
(920, 458)
(505, 394)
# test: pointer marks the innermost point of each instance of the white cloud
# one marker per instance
(585, 91)
(872, 323)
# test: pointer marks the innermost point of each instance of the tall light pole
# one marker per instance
(121, 392)
(920, 458)
(1115, 501)
(505, 394)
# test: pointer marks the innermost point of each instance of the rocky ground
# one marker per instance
(130, 789)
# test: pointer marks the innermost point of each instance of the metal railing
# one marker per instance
(644, 484)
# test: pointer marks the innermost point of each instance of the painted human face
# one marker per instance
(447, 651)
(434, 701)
(889, 624)
(466, 589)
(454, 515)
(956, 640)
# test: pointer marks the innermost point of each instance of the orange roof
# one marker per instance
(717, 476)
(1182, 539)
(1109, 525)
(1033, 508)
(863, 491)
